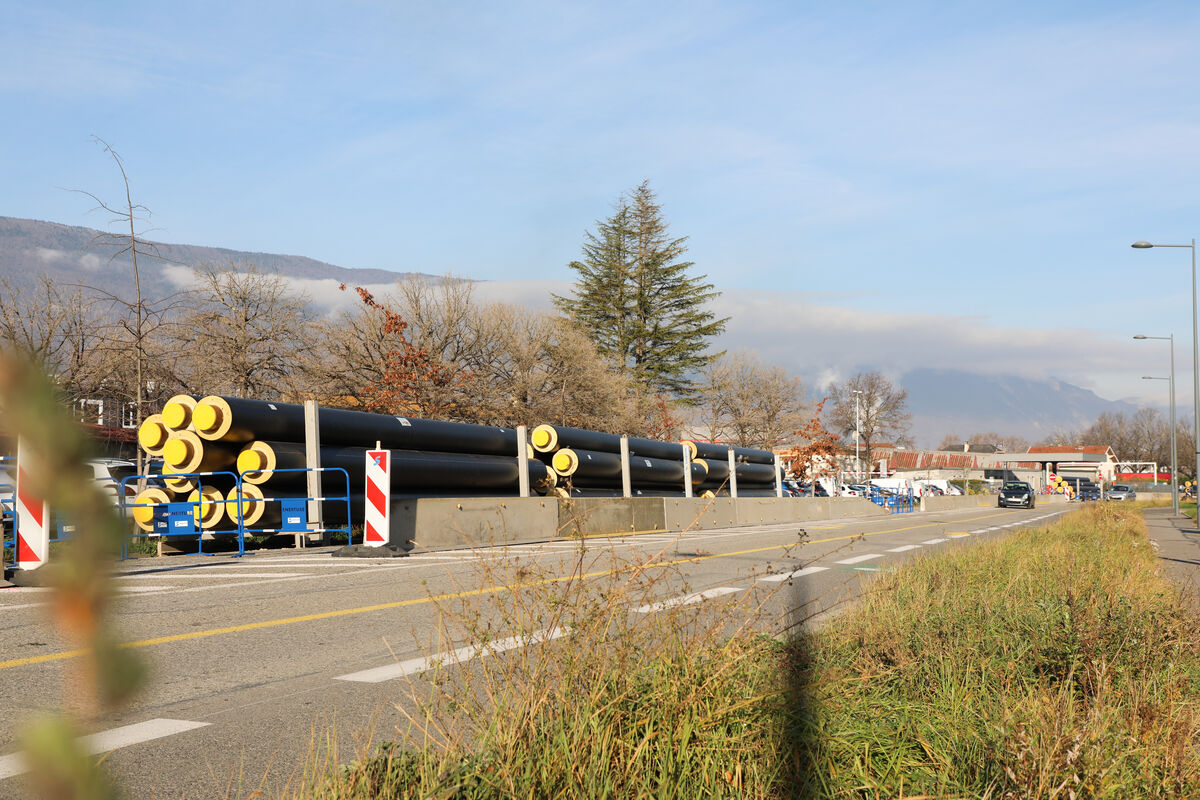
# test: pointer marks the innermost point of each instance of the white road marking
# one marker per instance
(800, 573)
(143, 589)
(857, 559)
(957, 535)
(175, 576)
(687, 600)
(417, 665)
(933, 541)
(904, 548)
(105, 741)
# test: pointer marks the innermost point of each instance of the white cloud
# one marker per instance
(828, 343)
(50, 255)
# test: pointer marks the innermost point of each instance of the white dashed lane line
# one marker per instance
(905, 548)
(686, 600)
(858, 559)
(933, 541)
(800, 573)
(185, 576)
(414, 666)
(106, 741)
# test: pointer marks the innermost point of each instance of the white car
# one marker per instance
(109, 472)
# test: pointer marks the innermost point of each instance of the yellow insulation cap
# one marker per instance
(206, 418)
(177, 451)
(152, 434)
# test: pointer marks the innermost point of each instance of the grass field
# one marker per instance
(1052, 663)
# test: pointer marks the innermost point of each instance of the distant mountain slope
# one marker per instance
(73, 254)
(963, 403)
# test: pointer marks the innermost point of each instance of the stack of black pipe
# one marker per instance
(588, 464)
(262, 439)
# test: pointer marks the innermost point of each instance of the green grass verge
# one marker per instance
(1051, 663)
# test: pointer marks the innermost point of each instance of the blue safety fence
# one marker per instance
(179, 518)
(895, 502)
(8, 511)
(293, 511)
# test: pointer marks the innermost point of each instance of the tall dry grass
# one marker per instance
(1053, 663)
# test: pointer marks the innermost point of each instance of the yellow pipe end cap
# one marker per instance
(177, 451)
(206, 418)
(250, 461)
(152, 434)
(143, 514)
(176, 415)
(540, 437)
(565, 461)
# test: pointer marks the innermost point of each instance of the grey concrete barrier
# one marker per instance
(448, 523)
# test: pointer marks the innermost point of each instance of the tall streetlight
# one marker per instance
(1174, 451)
(1143, 245)
(857, 436)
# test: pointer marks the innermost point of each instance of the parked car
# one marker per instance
(1017, 494)
(1122, 491)
(109, 472)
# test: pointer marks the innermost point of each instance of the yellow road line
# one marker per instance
(345, 612)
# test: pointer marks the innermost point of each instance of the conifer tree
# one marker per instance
(635, 297)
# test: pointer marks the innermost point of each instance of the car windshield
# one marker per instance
(1014, 486)
(1117, 487)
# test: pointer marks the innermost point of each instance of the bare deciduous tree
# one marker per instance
(244, 332)
(748, 403)
(882, 409)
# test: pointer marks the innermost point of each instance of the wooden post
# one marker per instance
(732, 474)
(626, 487)
(312, 460)
(687, 471)
(522, 462)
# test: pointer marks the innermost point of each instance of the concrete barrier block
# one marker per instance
(440, 523)
(596, 516)
(697, 514)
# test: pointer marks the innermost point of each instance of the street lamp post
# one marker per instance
(1143, 245)
(1174, 450)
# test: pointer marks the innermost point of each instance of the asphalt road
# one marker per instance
(254, 659)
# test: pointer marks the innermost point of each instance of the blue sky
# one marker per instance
(961, 170)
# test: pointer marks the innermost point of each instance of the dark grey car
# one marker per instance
(1015, 494)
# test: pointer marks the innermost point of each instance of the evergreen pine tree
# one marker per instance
(637, 301)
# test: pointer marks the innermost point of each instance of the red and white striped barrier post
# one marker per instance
(378, 513)
(33, 519)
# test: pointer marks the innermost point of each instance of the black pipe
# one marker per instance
(550, 438)
(601, 491)
(452, 471)
(713, 452)
(240, 420)
(593, 465)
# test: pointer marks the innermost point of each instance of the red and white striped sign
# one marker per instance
(33, 519)
(378, 514)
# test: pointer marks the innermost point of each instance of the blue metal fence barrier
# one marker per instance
(178, 518)
(294, 510)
